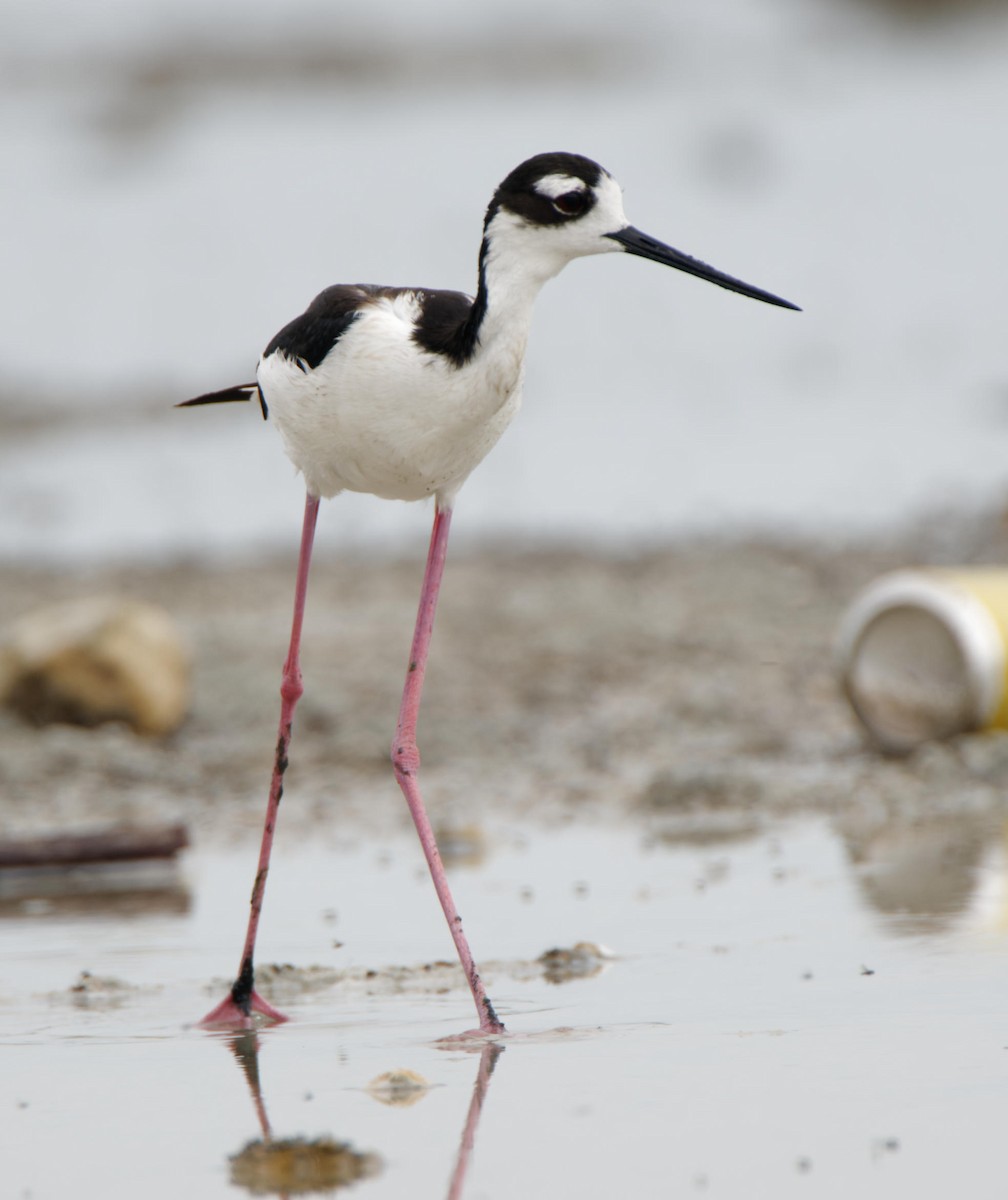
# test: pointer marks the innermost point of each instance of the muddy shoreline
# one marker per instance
(694, 889)
(691, 686)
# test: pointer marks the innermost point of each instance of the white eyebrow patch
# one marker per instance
(558, 185)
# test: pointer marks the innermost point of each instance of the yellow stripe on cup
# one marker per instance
(989, 585)
(922, 655)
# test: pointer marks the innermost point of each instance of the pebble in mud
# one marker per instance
(297, 979)
(97, 991)
(885, 1145)
(699, 786)
(398, 1089)
(579, 961)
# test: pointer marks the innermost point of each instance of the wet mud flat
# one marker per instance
(698, 678)
(735, 948)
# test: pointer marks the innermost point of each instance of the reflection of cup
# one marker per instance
(922, 655)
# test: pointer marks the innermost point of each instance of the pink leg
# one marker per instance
(406, 761)
(236, 1010)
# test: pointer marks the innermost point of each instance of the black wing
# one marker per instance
(448, 325)
(310, 337)
(306, 340)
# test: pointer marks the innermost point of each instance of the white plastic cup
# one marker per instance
(922, 655)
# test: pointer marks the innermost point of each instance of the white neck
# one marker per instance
(517, 262)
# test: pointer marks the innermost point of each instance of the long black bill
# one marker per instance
(635, 242)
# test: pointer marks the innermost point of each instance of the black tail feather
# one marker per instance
(244, 391)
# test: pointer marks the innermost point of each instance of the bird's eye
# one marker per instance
(571, 204)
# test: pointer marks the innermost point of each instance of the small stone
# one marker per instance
(398, 1088)
(562, 964)
(102, 992)
(692, 788)
(100, 659)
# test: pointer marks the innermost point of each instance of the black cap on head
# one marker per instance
(518, 194)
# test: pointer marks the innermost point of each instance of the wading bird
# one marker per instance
(401, 392)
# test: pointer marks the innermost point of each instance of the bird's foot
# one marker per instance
(229, 1014)
(473, 1037)
(490, 1030)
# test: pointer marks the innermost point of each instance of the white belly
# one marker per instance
(383, 416)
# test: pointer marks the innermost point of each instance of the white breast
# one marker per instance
(381, 415)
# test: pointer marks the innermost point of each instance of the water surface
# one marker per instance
(775, 1021)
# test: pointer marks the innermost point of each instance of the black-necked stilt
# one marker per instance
(401, 392)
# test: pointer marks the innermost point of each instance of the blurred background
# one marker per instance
(181, 178)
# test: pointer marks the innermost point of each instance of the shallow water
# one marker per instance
(775, 1020)
(181, 186)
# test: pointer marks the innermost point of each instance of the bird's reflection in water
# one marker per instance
(489, 1054)
(295, 1166)
(245, 1047)
(298, 1166)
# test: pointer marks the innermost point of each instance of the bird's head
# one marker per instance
(557, 207)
